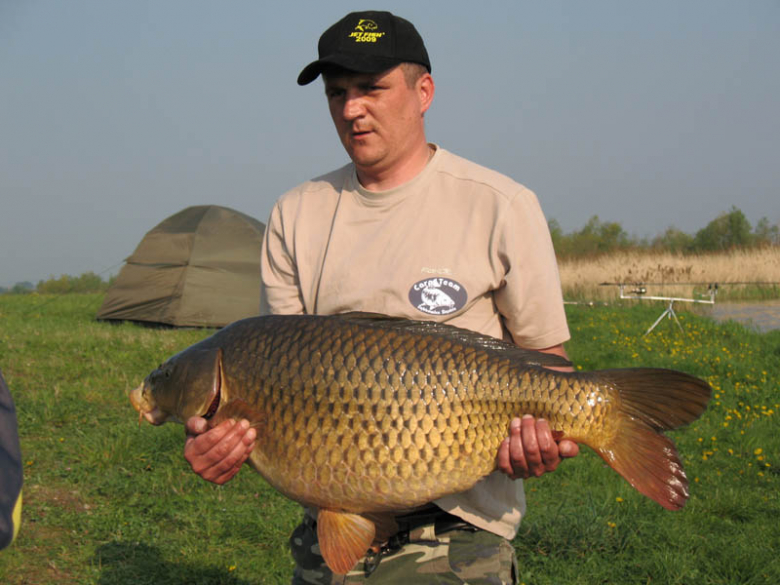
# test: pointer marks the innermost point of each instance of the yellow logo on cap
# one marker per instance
(366, 24)
(362, 33)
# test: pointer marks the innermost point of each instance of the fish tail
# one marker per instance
(652, 401)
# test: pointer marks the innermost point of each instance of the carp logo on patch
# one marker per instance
(438, 296)
(365, 31)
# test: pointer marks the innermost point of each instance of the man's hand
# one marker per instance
(530, 450)
(217, 454)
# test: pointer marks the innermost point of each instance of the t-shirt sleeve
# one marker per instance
(530, 300)
(280, 289)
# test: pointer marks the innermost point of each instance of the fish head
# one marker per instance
(188, 384)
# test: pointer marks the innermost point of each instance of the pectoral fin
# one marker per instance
(344, 538)
(237, 409)
(385, 524)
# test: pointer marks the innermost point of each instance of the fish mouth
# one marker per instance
(140, 402)
(137, 398)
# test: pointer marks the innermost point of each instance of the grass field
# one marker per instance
(109, 502)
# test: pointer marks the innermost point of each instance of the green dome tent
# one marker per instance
(198, 268)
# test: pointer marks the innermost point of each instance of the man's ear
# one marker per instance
(425, 90)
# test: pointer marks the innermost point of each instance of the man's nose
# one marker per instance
(353, 106)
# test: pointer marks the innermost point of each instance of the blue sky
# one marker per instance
(115, 115)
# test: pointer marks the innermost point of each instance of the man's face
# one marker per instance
(378, 117)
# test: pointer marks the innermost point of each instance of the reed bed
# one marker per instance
(670, 274)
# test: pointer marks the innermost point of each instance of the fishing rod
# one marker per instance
(639, 293)
(636, 282)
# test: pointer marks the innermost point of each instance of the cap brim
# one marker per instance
(356, 63)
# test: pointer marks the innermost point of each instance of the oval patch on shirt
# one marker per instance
(438, 296)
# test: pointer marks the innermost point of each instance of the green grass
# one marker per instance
(584, 526)
(109, 502)
(741, 292)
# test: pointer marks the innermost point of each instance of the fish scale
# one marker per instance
(358, 415)
(358, 444)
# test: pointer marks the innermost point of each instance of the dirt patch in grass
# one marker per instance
(41, 536)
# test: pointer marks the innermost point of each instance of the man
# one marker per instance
(411, 230)
(11, 467)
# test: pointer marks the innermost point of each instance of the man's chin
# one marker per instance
(364, 158)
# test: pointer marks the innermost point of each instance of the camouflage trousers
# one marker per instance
(460, 555)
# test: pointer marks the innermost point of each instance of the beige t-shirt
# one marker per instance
(459, 244)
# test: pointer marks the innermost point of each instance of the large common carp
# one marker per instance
(360, 415)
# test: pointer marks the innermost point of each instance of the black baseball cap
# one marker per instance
(367, 42)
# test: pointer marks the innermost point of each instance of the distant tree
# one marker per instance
(21, 288)
(598, 237)
(54, 286)
(673, 240)
(87, 282)
(556, 234)
(595, 237)
(766, 234)
(728, 230)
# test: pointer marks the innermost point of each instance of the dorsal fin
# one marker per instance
(457, 334)
(344, 538)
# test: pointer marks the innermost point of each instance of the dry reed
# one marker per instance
(668, 274)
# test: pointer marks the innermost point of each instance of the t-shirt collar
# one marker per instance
(396, 193)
